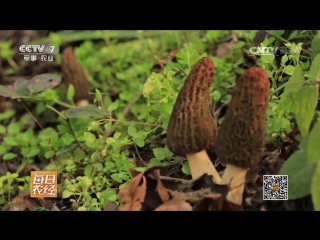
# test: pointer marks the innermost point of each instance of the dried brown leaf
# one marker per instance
(163, 62)
(133, 172)
(43, 203)
(263, 208)
(210, 202)
(55, 208)
(43, 82)
(18, 204)
(225, 47)
(216, 202)
(175, 204)
(111, 206)
(132, 196)
(149, 191)
(160, 189)
(144, 192)
(156, 194)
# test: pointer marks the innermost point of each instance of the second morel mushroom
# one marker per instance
(74, 74)
(192, 128)
(241, 138)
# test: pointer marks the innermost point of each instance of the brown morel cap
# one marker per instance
(74, 74)
(241, 137)
(192, 127)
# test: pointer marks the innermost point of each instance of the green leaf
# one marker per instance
(110, 140)
(148, 87)
(27, 136)
(315, 69)
(216, 96)
(88, 170)
(85, 182)
(108, 125)
(284, 59)
(116, 177)
(9, 156)
(289, 69)
(168, 152)
(2, 129)
(315, 189)
(106, 196)
(7, 115)
(83, 208)
(315, 44)
(10, 141)
(154, 162)
(113, 106)
(67, 182)
(306, 101)
(20, 87)
(89, 137)
(73, 187)
(63, 128)
(5, 91)
(44, 143)
(276, 124)
(84, 112)
(98, 166)
(132, 130)
(139, 141)
(186, 168)
(117, 135)
(66, 193)
(47, 154)
(67, 148)
(294, 83)
(14, 128)
(159, 153)
(2, 149)
(277, 32)
(70, 92)
(313, 145)
(299, 171)
(33, 151)
(43, 82)
(267, 58)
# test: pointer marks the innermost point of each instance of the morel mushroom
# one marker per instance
(192, 128)
(241, 138)
(74, 74)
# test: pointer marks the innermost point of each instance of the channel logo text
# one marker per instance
(39, 49)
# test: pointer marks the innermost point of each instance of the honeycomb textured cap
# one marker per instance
(192, 127)
(241, 137)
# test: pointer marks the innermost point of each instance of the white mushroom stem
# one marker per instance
(234, 177)
(200, 164)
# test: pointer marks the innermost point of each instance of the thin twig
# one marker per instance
(139, 156)
(181, 71)
(33, 117)
(75, 137)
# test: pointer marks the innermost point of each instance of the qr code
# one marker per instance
(275, 187)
